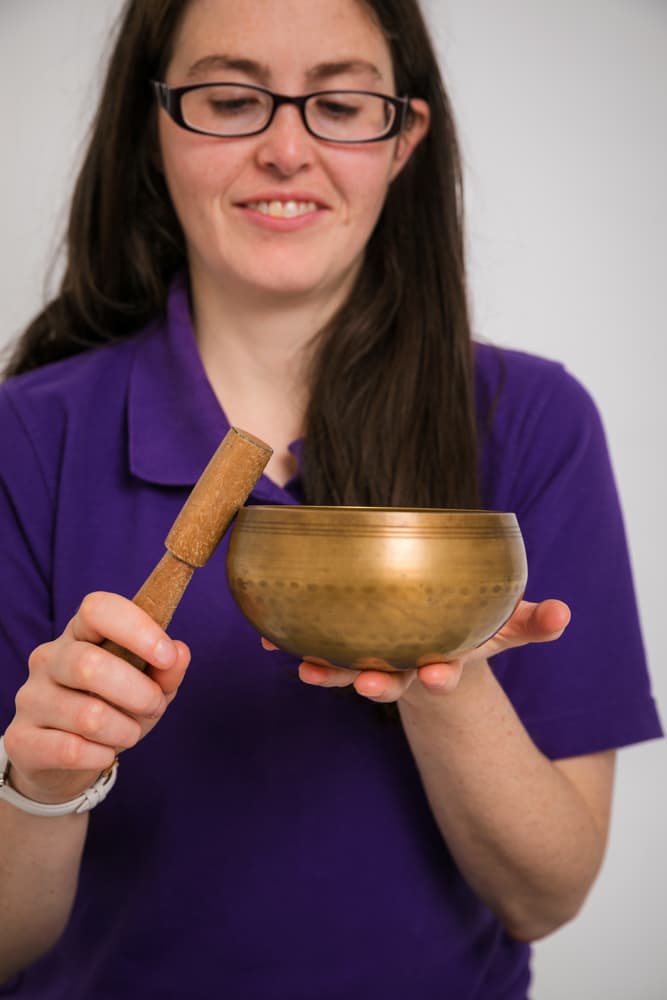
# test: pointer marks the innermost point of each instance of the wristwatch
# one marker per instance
(84, 802)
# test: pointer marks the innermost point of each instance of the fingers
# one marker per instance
(170, 680)
(550, 619)
(87, 669)
(372, 684)
(436, 678)
(52, 707)
(35, 750)
(81, 703)
(109, 616)
(441, 678)
(543, 622)
(530, 622)
(75, 661)
(378, 685)
(322, 675)
(383, 688)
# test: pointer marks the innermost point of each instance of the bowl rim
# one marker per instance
(328, 508)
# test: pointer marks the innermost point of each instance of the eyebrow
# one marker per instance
(327, 69)
(210, 63)
(260, 71)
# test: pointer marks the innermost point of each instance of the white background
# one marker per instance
(562, 108)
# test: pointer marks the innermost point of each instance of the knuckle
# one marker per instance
(24, 698)
(68, 753)
(13, 742)
(90, 717)
(90, 606)
(20, 745)
(86, 666)
(40, 657)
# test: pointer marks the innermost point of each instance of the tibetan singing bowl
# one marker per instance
(375, 587)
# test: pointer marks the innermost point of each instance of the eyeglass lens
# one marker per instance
(232, 109)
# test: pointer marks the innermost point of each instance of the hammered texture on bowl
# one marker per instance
(388, 588)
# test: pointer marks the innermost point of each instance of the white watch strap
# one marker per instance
(88, 799)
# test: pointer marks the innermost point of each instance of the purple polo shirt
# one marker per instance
(271, 840)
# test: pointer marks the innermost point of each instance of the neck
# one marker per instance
(257, 352)
(271, 334)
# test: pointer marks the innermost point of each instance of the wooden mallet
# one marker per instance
(218, 494)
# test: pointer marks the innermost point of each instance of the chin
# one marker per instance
(286, 287)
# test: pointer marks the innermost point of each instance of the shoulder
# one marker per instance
(537, 423)
(73, 385)
(520, 394)
(72, 379)
(79, 399)
(518, 380)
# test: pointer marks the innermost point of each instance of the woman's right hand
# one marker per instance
(81, 704)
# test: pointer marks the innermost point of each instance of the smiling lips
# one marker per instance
(282, 209)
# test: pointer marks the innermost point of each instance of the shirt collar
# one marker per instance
(175, 421)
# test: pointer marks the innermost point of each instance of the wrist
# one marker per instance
(453, 695)
(49, 788)
(22, 795)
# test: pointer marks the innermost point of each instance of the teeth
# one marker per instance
(283, 209)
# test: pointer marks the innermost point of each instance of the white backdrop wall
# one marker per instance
(562, 109)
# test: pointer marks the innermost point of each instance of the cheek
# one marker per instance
(189, 179)
(368, 189)
(196, 175)
(366, 177)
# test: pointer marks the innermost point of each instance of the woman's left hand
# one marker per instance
(543, 622)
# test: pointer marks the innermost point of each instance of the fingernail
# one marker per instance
(164, 653)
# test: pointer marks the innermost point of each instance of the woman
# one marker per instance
(240, 255)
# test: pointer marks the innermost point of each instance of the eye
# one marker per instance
(230, 106)
(336, 107)
(225, 108)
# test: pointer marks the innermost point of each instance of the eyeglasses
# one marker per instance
(232, 110)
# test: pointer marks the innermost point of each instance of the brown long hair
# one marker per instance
(391, 418)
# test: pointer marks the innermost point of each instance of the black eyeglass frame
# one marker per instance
(170, 99)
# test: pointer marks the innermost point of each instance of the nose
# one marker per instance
(286, 146)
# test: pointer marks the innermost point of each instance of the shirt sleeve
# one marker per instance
(590, 690)
(26, 523)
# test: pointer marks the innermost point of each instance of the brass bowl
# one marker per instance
(375, 587)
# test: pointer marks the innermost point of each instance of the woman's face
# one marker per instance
(280, 213)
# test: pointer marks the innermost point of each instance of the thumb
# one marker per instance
(535, 622)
